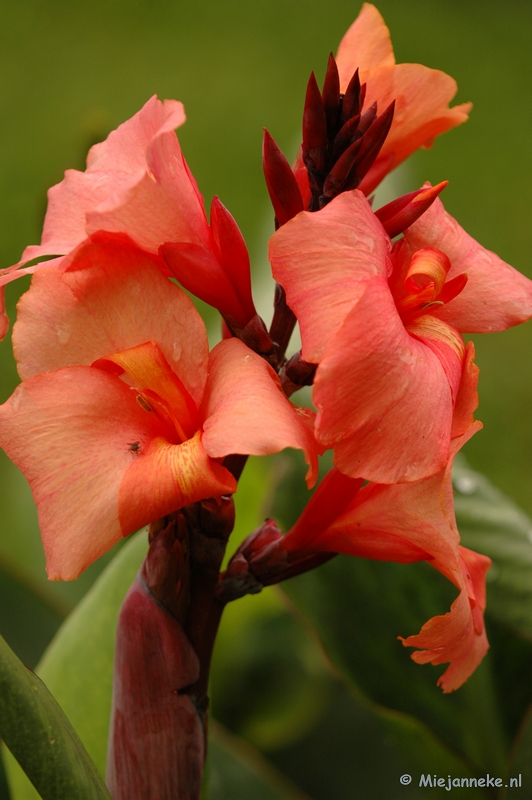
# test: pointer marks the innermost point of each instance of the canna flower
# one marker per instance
(421, 95)
(383, 323)
(123, 416)
(405, 523)
(346, 145)
(138, 184)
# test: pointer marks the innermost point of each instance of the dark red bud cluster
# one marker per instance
(340, 141)
(340, 144)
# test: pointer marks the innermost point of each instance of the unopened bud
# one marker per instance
(398, 215)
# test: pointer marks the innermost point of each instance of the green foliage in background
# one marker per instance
(313, 695)
(311, 690)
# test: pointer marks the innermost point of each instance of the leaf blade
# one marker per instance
(39, 735)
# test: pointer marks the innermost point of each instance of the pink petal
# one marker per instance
(393, 522)
(70, 433)
(124, 150)
(445, 342)
(377, 544)
(335, 492)
(405, 522)
(459, 636)
(467, 399)
(383, 397)
(495, 297)
(98, 464)
(323, 260)
(111, 297)
(159, 204)
(418, 513)
(246, 412)
(11, 274)
(113, 166)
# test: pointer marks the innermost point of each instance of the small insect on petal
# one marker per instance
(134, 447)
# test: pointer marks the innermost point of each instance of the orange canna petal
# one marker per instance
(422, 95)
(495, 297)
(390, 368)
(131, 185)
(246, 412)
(159, 387)
(111, 297)
(467, 398)
(459, 636)
(324, 260)
(74, 433)
(394, 522)
(404, 523)
(366, 45)
(99, 463)
(167, 476)
(383, 396)
(115, 168)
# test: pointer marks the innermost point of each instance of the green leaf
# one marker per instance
(28, 620)
(235, 771)
(359, 608)
(491, 523)
(41, 738)
(259, 644)
(520, 768)
(78, 665)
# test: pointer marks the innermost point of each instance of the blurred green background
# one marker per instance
(72, 72)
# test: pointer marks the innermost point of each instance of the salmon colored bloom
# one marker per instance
(383, 323)
(138, 184)
(405, 523)
(123, 416)
(422, 96)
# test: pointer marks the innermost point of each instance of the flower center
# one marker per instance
(419, 284)
(160, 391)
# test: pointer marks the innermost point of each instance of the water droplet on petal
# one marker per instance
(63, 333)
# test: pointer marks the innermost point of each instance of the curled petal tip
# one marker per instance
(398, 215)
